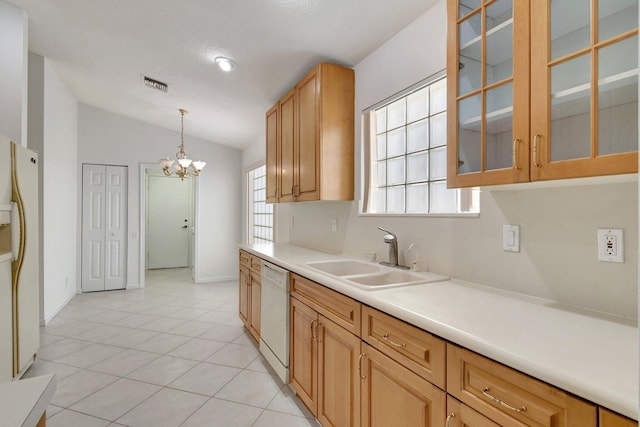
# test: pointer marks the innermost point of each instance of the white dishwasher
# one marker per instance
(274, 318)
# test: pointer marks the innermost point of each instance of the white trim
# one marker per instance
(133, 286)
(62, 305)
(196, 225)
(142, 229)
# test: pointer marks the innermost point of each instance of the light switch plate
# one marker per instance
(610, 245)
(511, 238)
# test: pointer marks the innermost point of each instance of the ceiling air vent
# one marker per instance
(155, 84)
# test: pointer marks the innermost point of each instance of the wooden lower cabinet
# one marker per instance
(249, 293)
(338, 377)
(460, 415)
(323, 357)
(392, 395)
(244, 282)
(303, 357)
(611, 419)
(379, 371)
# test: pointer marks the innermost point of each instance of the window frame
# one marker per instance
(465, 198)
(250, 223)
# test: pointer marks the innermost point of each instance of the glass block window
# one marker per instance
(260, 213)
(408, 155)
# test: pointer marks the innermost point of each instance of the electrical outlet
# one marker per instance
(610, 245)
(334, 225)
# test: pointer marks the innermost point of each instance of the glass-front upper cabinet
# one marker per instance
(584, 86)
(540, 90)
(488, 69)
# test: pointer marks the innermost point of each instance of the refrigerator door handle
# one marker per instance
(15, 231)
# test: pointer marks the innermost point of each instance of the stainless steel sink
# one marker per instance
(346, 267)
(370, 276)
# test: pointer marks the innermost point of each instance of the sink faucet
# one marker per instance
(392, 240)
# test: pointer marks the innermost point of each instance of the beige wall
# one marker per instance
(558, 257)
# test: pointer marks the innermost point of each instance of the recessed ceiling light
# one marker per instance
(225, 64)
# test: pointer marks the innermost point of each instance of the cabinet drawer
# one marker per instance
(341, 309)
(460, 415)
(414, 348)
(245, 259)
(256, 263)
(509, 397)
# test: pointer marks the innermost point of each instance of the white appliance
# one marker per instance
(274, 318)
(19, 260)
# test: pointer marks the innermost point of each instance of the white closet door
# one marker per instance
(93, 227)
(104, 227)
(116, 231)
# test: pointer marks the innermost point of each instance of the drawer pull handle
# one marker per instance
(449, 417)
(501, 403)
(363, 377)
(392, 342)
(535, 150)
(314, 326)
(515, 153)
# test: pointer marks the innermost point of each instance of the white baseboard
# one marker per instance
(133, 286)
(57, 310)
(216, 279)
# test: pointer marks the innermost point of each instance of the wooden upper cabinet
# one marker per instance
(488, 92)
(541, 90)
(308, 172)
(273, 153)
(585, 79)
(314, 138)
(286, 144)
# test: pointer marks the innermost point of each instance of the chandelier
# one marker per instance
(182, 162)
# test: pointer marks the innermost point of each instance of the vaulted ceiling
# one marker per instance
(101, 48)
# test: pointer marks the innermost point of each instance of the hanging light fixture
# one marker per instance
(182, 162)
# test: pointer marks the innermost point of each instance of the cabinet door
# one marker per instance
(394, 396)
(488, 92)
(585, 88)
(254, 312)
(308, 172)
(460, 415)
(288, 154)
(611, 419)
(244, 284)
(303, 371)
(273, 152)
(338, 376)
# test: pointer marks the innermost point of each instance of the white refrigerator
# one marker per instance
(19, 260)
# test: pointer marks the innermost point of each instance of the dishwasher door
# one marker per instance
(274, 318)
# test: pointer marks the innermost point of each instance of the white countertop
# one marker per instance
(595, 358)
(23, 402)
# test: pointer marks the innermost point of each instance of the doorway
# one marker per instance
(167, 222)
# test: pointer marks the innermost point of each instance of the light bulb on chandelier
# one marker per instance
(182, 163)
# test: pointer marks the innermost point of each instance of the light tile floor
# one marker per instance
(171, 354)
